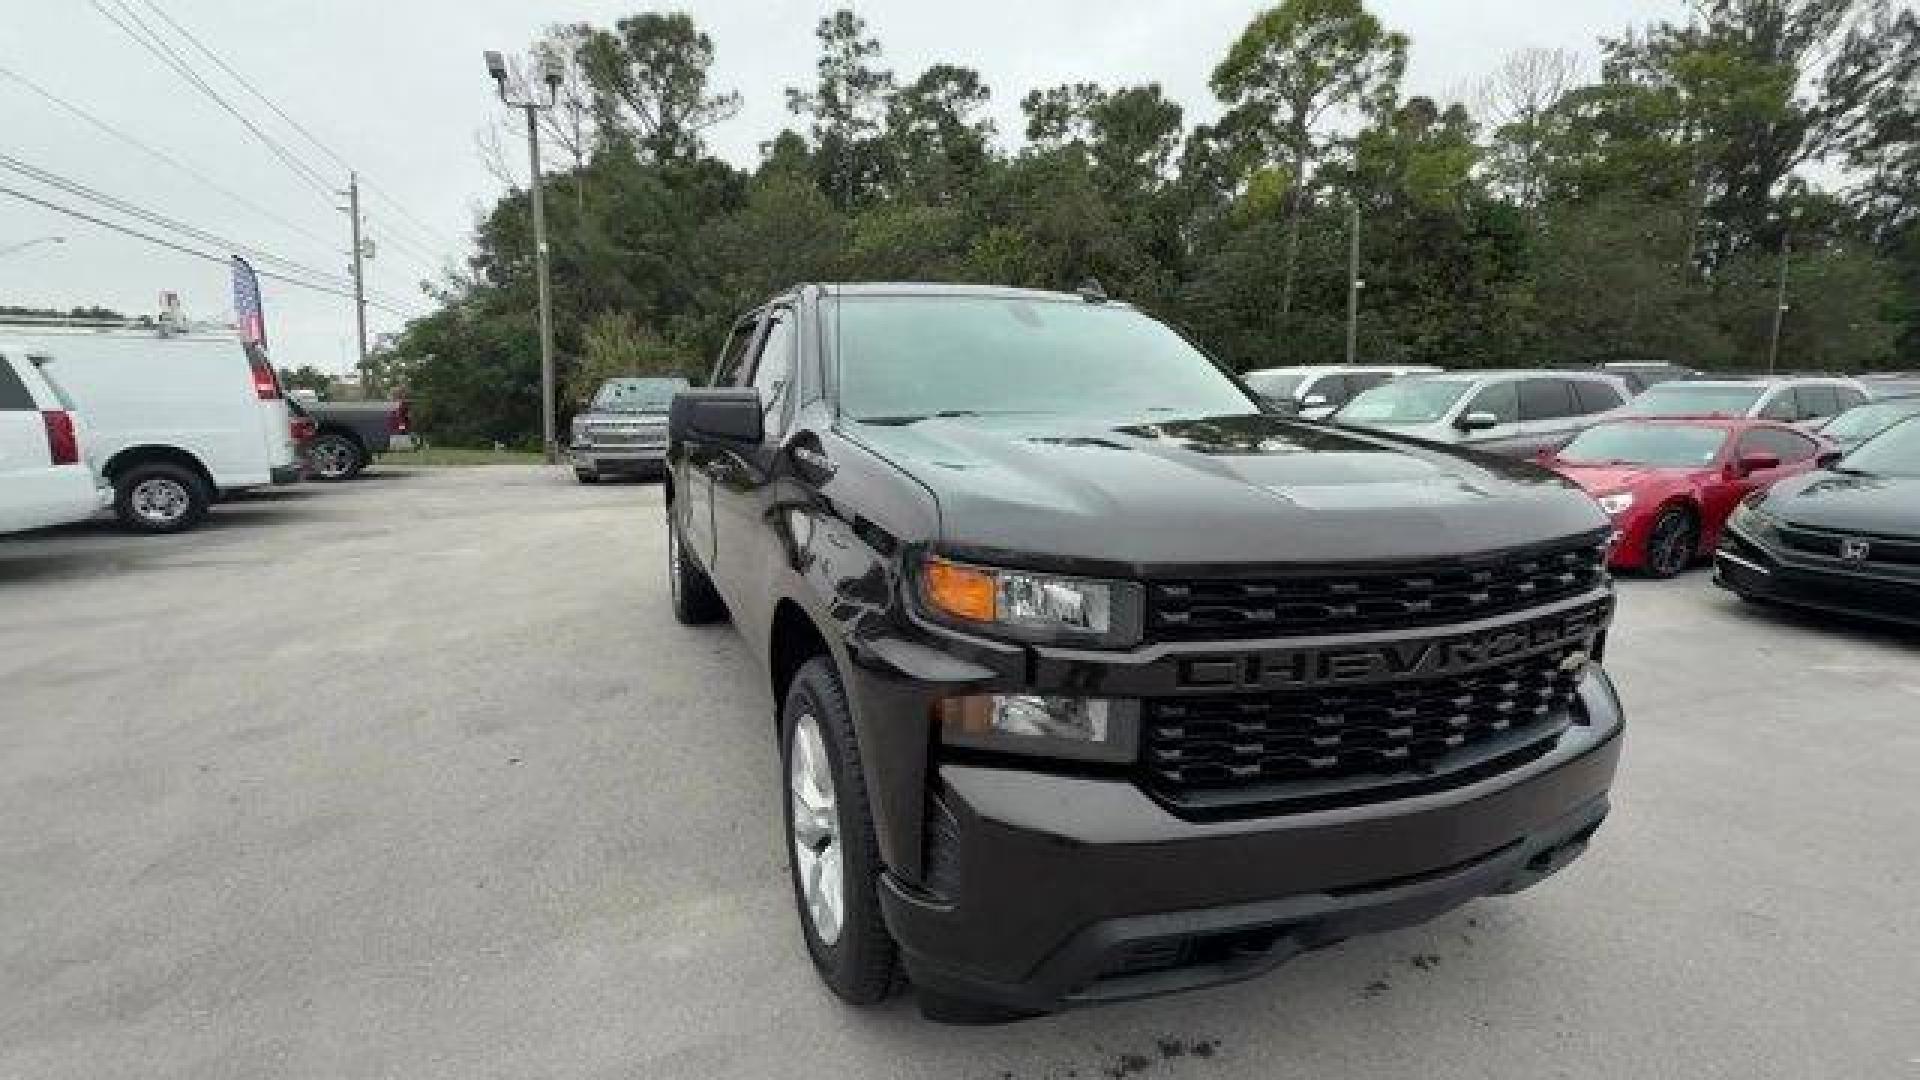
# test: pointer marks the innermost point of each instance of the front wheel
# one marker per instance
(1671, 543)
(834, 857)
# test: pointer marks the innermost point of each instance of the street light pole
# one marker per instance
(1780, 298)
(1354, 284)
(497, 68)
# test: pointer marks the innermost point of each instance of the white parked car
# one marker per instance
(1792, 399)
(1314, 392)
(179, 416)
(45, 478)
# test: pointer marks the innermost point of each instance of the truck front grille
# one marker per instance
(1340, 741)
(626, 434)
(1361, 599)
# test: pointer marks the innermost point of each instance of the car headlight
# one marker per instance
(1086, 729)
(1030, 606)
(1616, 503)
(1752, 517)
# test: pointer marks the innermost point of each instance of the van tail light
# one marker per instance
(266, 385)
(400, 420)
(62, 443)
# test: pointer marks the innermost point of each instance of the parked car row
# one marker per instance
(158, 421)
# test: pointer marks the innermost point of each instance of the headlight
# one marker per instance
(1751, 517)
(1032, 607)
(1616, 503)
(1087, 729)
(579, 429)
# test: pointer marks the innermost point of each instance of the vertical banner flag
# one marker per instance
(247, 309)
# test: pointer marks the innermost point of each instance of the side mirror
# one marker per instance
(1477, 421)
(730, 416)
(1758, 462)
(1827, 459)
(1313, 401)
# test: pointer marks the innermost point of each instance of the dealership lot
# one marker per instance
(416, 778)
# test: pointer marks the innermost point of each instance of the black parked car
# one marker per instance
(1846, 540)
(1095, 681)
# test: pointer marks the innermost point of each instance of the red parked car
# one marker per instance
(1670, 482)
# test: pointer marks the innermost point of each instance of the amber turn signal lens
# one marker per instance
(961, 591)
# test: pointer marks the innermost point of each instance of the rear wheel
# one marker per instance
(160, 497)
(333, 457)
(1672, 543)
(834, 857)
(694, 600)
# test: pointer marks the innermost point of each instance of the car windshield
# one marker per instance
(904, 358)
(1695, 399)
(1275, 383)
(1893, 452)
(1658, 445)
(637, 395)
(1866, 421)
(1409, 401)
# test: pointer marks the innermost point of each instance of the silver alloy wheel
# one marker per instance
(332, 458)
(816, 830)
(160, 500)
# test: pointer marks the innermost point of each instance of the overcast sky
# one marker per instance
(398, 90)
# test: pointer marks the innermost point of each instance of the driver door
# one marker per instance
(1502, 400)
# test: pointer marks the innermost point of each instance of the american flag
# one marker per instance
(246, 305)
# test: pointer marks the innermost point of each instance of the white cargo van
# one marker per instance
(179, 416)
(45, 478)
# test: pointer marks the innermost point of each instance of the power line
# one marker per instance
(159, 48)
(182, 248)
(297, 126)
(113, 202)
(163, 156)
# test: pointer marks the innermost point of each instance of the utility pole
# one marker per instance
(1354, 284)
(1780, 299)
(497, 68)
(368, 384)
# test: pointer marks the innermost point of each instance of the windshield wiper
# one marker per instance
(914, 418)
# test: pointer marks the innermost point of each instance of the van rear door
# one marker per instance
(276, 420)
(44, 479)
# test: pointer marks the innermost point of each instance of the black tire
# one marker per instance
(860, 963)
(695, 602)
(1672, 543)
(333, 457)
(160, 497)
(586, 476)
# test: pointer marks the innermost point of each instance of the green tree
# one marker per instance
(848, 108)
(649, 76)
(1292, 66)
(306, 377)
(939, 143)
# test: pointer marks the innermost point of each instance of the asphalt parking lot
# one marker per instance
(416, 777)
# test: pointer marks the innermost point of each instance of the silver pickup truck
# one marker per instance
(623, 428)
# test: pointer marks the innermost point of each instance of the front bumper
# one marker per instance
(1041, 891)
(1752, 567)
(618, 459)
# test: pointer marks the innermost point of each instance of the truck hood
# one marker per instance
(1222, 491)
(1848, 502)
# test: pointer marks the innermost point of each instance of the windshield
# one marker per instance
(637, 395)
(1409, 401)
(1893, 452)
(1275, 383)
(1658, 445)
(1695, 399)
(904, 358)
(1867, 421)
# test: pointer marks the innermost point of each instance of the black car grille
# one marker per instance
(1340, 741)
(1880, 549)
(1372, 599)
